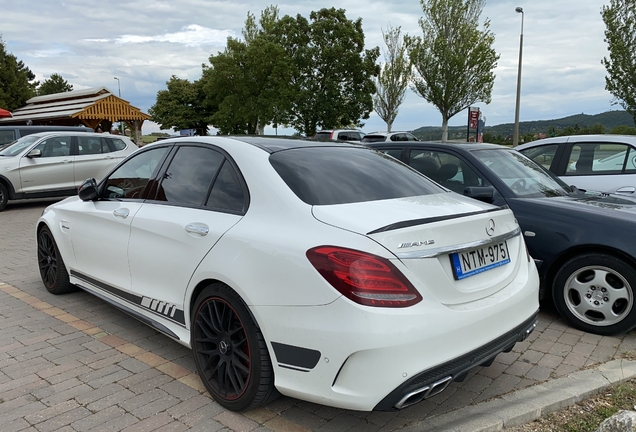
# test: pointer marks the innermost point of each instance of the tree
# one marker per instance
(620, 36)
(332, 76)
(393, 78)
(55, 84)
(248, 81)
(17, 83)
(453, 60)
(181, 106)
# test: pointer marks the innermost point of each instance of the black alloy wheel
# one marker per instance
(229, 351)
(4, 196)
(594, 292)
(52, 269)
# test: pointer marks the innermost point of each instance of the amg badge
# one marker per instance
(416, 243)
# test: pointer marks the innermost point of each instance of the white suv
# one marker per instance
(388, 136)
(349, 135)
(50, 164)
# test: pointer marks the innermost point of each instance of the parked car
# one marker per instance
(582, 243)
(8, 134)
(51, 164)
(347, 135)
(606, 163)
(297, 266)
(388, 136)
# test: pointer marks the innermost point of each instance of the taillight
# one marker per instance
(331, 135)
(363, 278)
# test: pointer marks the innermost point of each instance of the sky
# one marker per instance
(144, 43)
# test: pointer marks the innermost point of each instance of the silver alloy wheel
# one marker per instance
(598, 295)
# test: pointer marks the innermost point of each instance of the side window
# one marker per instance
(89, 145)
(630, 166)
(410, 137)
(55, 147)
(131, 178)
(227, 193)
(6, 136)
(189, 176)
(394, 152)
(543, 155)
(595, 158)
(446, 169)
(119, 144)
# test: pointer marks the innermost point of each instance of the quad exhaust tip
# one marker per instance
(424, 393)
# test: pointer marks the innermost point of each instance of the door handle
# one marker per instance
(197, 228)
(121, 213)
(65, 161)
(626, 190)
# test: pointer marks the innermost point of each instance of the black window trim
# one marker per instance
(226, 158)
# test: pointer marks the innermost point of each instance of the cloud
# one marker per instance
(192, 35)
(89, 42)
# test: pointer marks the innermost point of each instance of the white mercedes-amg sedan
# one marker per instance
(324, 271)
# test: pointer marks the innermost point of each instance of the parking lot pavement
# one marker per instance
(74, 363)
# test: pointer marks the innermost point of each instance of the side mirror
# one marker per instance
(481, 193)
(35, 153)
(88, 190)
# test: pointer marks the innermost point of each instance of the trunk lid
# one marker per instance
(424, 232)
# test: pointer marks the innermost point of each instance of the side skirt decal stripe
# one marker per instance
(162, 309)
(144, 319)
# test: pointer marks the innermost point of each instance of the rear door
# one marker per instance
(200, 197)
(93, 158)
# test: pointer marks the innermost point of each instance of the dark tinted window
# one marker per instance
(373, 138)
(131, 178)
(6, 136)
(227, 193)
(91, 145)
(322, 176)
(189, 176)
(55, 147)
(119, 144)
(322, 135)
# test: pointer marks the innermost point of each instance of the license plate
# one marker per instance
(475, 261)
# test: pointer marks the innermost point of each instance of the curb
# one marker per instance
(526, 405)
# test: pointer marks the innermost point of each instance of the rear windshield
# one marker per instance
(373, 138)
(322, 135)
(342, 175)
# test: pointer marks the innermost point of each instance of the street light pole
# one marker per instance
(121, 129)
(515, 135)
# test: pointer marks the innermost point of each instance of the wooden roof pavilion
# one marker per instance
(96, 108)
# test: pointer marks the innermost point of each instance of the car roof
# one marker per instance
(625, 139)
(460, 146)
(73, 133)
(268, 144)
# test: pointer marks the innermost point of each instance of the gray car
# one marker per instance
(52, 164)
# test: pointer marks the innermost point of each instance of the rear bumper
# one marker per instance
(433, 381)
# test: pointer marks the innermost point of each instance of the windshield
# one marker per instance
(18, 146)
(525, 178)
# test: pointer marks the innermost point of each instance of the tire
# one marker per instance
(4, 196)
(595, 293)
(52, 269)
(229, 350)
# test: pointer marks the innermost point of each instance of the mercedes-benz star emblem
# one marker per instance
(490, 227)
(224, 347)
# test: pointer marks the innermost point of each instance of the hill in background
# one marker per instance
(609, 120)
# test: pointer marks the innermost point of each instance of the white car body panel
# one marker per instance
(158, 228)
